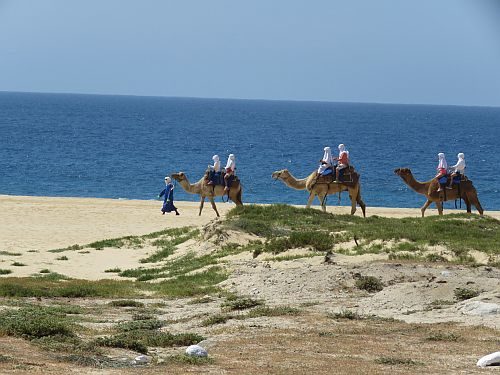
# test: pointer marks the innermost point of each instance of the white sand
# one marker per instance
(45, 223)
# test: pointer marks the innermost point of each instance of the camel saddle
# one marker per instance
(456, 179)
(347, 176)
(218, 178)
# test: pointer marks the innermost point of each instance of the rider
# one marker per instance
(230, 168)
(458, 169)
(442, 169)
(214, 171)
(343, 161)
(326, 162)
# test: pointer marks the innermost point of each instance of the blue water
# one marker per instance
(122, 147)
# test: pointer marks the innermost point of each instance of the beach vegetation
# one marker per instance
(126, 303)
(235, 302)
(18, 264)
(8, 253)
(5, 271)
(369, 283)
(113, 270)
(462, 294)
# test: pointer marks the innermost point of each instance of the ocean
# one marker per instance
(124, 146)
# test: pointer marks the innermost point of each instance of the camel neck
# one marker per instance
(419, 187)
(294, 183)
(190, 188)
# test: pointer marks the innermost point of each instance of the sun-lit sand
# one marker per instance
(31, 226)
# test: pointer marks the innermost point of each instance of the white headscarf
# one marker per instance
(231, 163)
(327, 156)
(167, 180)
(442, 161)
(215, 158)
(461, 156)
(342, 149)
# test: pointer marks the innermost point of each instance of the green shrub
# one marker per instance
(369, 283)
(35, 322)
(126, 303)
(216, 319)
(4, 271)
(461, 294)
(347, 314)
(240, 303)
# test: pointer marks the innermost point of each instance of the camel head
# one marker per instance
(179, 176)
(280, 174)
(402, 172)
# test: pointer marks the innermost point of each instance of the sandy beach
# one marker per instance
(31, 226)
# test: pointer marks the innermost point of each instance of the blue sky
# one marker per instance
(387, 51)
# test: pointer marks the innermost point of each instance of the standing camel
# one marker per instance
(209, 191)
(321, 190)
(467, 192)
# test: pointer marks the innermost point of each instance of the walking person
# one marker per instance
(168, 197)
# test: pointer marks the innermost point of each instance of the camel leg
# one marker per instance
(322, 199)
(352, 195)
(424, 207)
(235, 196)
(467, 203)
(310, 200)
(212, 202)
(202, 202)
(439, 206)
(473, 200)
(362, 205)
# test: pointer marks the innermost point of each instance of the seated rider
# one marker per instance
(325, 163)
(214, 171)
(457, 169)
(230, 168)
(442, 169)
(343, 161)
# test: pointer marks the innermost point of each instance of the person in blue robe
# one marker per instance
(168, 197)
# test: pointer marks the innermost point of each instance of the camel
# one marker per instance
(209, 191)
(467, 192)
(321, 190)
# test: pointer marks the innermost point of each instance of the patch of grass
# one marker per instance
(456, 231)
(204, 299)
(272, 311)
(69, 248)
(285, 258)
(405, 256)
(4, 271)
(216, 319)
(167, 246)
(53, 276)
(113, 270)
(18, 264)
(462, 294)
(240, 303)
(134, 325)
(435, 258)
(35, 322)
(369, 283)
(394, 361)
(64, 257)
(140, 340)
(200, 283)
(347, 314)
(442, 336)
(39, 287)
(8, 253)
(126, 303)
(45, 270)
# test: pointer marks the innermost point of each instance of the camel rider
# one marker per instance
(325, 163)
(442, 169)
(343, 161)
(457, 169)
(230, 168)
(214, 171)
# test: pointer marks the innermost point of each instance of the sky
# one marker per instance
(383, 51)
